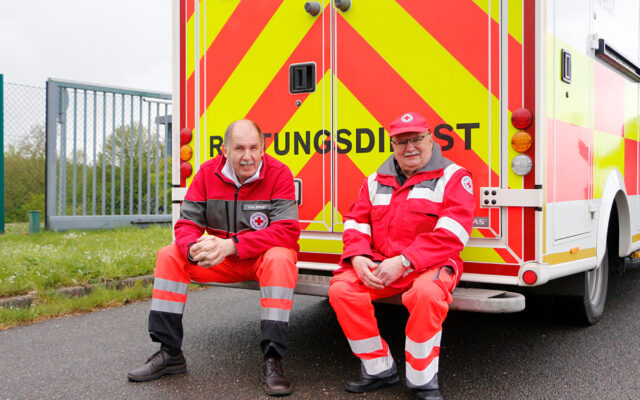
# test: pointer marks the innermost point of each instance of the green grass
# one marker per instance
(50, 260)
(51, 305)
(43, 262)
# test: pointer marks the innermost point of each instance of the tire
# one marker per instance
(587, 308)
(580, 298)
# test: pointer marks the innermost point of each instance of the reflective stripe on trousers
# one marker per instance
(169, 296)
(422, 361)
(369, 350)
(276, 302)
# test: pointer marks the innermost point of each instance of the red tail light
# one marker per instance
(529, 277)
(522, 118)
(185, 170)
(185, 136)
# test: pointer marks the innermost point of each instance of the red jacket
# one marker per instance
(428, 219)
(258, 215)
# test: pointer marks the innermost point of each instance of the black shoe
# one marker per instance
(275, 384)
(433, 394)
(159, 364)
(362, 384)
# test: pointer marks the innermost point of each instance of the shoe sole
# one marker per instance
(378, 385)
(174, 370)
(271, 392)
(284, 392)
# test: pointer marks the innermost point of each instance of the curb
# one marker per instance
(27, 299)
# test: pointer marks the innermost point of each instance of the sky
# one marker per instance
(125, 43)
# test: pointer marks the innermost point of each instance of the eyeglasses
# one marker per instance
(403, 143)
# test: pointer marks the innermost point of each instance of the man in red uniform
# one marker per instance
(404, 234)
(245, 201)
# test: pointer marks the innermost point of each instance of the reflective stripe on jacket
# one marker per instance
(428, 219)
(258, 215)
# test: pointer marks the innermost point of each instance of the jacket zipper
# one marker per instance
(226, 206)
(235, 212)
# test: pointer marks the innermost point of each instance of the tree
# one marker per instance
(24, 176)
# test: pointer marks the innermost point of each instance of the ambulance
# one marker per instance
(539, 100)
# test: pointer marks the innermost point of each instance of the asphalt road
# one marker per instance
(535, 354)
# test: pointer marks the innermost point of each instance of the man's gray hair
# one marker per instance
(227, 133)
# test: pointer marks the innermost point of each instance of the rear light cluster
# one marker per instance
(521, 141)
(185, 155)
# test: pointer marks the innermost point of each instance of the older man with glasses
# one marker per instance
(404, 234)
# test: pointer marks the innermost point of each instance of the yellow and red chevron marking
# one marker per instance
(373, 75)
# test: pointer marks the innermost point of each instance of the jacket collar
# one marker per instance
(230, 174)
(227, 174)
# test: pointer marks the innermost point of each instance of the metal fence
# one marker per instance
(1, 153)
(24, 150)
(107, 156)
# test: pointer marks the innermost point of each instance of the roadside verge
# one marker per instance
(26, 300)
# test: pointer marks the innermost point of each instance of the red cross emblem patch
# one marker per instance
(407, 118)
(467, 184)
(259, 220)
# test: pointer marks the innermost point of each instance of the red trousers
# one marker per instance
(427, 297)
(275, 270)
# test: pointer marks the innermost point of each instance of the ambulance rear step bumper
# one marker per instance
(464, 299)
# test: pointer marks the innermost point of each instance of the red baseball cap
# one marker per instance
(409, 122)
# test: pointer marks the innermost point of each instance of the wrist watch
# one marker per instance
(405, 261)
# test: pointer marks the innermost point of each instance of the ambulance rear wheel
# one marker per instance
(588, 307)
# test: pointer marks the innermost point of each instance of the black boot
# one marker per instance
(159, 364)
(275, 383)
(366, 384)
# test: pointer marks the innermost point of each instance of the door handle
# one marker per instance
(342, 5)
(313, 7)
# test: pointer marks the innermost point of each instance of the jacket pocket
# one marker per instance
(447, 275)
(423, 216)
(426, 207)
